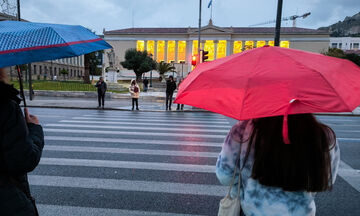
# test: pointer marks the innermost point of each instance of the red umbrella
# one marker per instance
(264, 82)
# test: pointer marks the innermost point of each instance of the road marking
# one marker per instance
(139, 128)
(127, 185)
(154, 120)
(130, 151)
(338, 120)
(166, 115)
(134, 141)
(136, 133)
(350, 175)
(348, 139)
(145, 123)
(51, 210)
(129, 165)
(169, 117)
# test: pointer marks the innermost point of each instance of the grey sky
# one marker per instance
(117, 14)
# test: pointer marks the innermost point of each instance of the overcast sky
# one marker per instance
(117, 14)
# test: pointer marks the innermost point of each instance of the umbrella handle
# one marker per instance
(21, 86)
(285, 131)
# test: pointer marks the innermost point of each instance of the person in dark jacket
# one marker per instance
(101, 89)
(21, 144)
(146, 84)
(170, 88)
(180, 106)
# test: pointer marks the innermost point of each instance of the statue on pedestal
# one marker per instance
(111, 57)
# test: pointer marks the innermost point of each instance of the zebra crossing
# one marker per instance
(130, 163)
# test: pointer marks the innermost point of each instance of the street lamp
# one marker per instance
(278, 23)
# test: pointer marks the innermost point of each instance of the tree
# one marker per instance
(94, 61)
(138, 61)
(164, 67)
(338, 53)
(354, 58)
(335, 52)
(64, 72)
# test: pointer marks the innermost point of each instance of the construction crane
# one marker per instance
(293, 18)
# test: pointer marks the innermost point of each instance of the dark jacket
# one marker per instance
(21, 146)
(146, 82)
(101, 87)
(170, 86)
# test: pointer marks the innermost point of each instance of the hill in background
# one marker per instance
(350, 27)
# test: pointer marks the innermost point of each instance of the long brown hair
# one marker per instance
(305, 164)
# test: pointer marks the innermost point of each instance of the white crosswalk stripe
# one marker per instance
(221, 122)
(122, 122)
(73, 143)
(133, 133)
(138, 128)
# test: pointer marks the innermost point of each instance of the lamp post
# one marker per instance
(151, 55)
(199, 35)
(278, 23)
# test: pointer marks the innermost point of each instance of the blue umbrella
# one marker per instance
(26, 42)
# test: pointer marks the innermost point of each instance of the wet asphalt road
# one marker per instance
(156, 163)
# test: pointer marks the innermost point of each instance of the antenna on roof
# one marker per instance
(132, 18)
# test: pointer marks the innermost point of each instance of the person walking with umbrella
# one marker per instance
(135, 94)
(21, 145)
(101, 89)
(279, 155)
(170, 88)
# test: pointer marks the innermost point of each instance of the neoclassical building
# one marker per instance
(177, 45)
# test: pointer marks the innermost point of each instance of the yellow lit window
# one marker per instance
(171, 51)
(209, 46)
(181, 51)
(271, 43)
(160, 51)
(195, 47)
(140, 44)
(260, 43)
(284, 44)
(221, 49)
(151, 47)
(249, 45)
(237, 46)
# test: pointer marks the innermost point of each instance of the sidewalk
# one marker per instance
(150, 101)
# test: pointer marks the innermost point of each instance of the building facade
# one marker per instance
(178, 45)
(345, 43)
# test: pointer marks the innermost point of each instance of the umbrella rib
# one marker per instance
(321, 76)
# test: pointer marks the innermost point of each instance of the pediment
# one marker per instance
(211, 29)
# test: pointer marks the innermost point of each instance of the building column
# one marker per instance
(215, 48)
(176, 51)
(243, 45)
(145, 45)
(155, 50)
(165, 51)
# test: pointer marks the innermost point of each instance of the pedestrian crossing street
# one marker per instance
(130, 163)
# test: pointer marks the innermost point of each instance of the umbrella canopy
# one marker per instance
(26, 42)
(264, 82)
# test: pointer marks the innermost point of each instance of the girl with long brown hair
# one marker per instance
(278, 178)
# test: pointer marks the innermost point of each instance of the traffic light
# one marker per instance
(204, 55)
(193, 60)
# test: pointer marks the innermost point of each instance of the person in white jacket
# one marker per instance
(134, 90)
